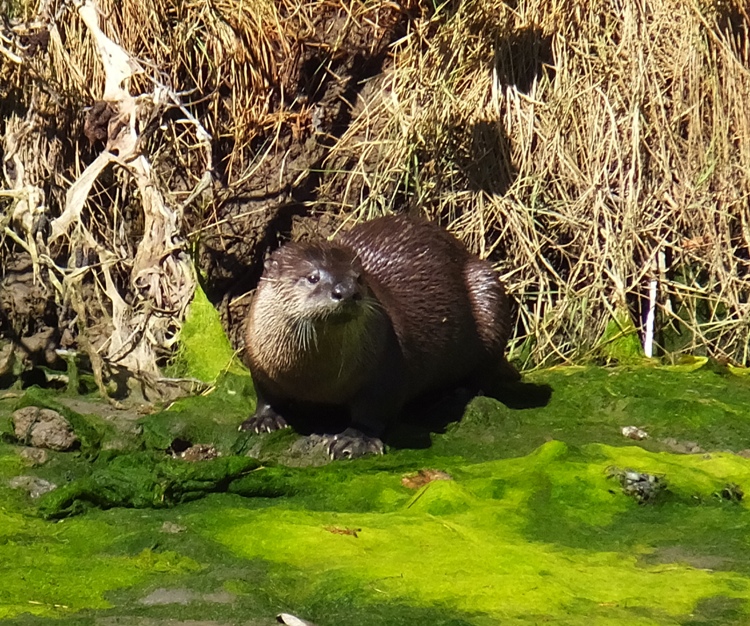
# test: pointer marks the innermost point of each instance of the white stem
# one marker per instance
(648, 341)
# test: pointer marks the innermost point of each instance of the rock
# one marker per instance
(292, 620)
(34, 456)
(172, 528)
(34, 485)
(7, 358)
(162, 597)
(199, 452)
(682, 447)
(633, 432)
(43, 428)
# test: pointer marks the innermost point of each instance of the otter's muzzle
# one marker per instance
(347, 289)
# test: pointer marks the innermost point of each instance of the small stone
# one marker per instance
(163, 597)
(172, 528)
(292, 620)
(422, 477)
(633, 432)
(682, 447)
(34, 456)
(33, 485)
(43, 428)
(199, 452)
(644, 488)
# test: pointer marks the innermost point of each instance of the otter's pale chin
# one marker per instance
(336, 314)
(344, 315)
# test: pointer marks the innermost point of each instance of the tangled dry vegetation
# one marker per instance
(599, 152)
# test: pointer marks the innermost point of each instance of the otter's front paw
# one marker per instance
(352, 444)
(264, 423)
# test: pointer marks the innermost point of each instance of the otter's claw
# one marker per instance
(265, 423)
(352, 444)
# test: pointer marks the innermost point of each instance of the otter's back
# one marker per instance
(439, 297)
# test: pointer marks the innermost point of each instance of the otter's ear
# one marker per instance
(270, 266)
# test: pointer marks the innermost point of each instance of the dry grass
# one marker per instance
(586, 147)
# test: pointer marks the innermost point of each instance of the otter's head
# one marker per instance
(318, 280)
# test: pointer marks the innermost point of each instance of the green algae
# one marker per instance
(620, 341)
(142, 480)
(59, 569)
(530, 530)
(205, 352)
(211, 418)
(458, 545)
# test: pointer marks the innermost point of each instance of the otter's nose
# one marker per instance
(347, 289)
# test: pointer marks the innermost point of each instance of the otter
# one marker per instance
(390, 310)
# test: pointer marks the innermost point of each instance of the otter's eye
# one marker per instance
(313, 278)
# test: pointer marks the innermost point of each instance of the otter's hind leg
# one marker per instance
(491, 310)
(497, 380)
(489, 304)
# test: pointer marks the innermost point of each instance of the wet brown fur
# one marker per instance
(430, 315)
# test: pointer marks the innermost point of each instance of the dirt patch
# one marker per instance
(29, 317)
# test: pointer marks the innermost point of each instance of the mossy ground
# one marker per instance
(532, 529)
